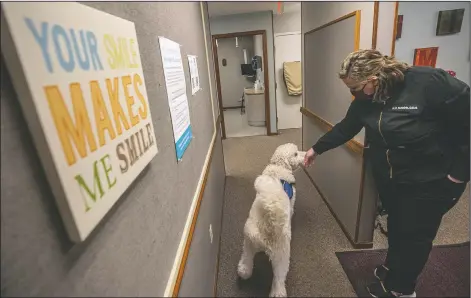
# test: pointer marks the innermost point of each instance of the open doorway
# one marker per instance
(241, 66)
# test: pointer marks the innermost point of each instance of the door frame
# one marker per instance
(215, 37)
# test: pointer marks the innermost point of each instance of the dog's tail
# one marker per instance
(274, 207)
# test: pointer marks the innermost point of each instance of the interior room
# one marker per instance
(242, 85)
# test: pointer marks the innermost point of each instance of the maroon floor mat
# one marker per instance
(445, 275)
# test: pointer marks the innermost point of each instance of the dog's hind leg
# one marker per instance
(280, 264)
(245, 266)
(291, 203)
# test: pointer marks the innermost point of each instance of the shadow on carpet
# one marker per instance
(259, 284)
(445, 275)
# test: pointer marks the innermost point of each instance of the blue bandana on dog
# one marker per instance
(288, 188)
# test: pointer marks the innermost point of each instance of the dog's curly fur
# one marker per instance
(268, 227)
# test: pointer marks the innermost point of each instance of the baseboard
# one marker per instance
(355, 245)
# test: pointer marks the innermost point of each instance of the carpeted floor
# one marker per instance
(314, 270)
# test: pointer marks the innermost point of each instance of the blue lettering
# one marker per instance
(58, 31)
(92, 45)
(41, 39)
(84, 63)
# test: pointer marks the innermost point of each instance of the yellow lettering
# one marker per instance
(123, 49)
(119, 54)
(143, 109)
(102, 118)
(116, 107)
(129, 100)
(109, 46)
(81, 132)
(133, 54)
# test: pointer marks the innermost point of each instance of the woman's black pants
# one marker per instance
(414, 212)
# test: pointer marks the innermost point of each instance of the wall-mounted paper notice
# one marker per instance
(194, 75)
(176, 93)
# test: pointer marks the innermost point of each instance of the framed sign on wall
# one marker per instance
(449, 21)
(79, 80)
(426, 56)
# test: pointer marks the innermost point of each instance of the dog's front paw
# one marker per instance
(244, 271)
(278, 292)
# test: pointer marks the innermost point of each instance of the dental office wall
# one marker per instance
(133, 250)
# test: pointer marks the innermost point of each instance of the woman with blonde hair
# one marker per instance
(416, 122)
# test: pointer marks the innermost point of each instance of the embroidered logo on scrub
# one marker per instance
(402, 108)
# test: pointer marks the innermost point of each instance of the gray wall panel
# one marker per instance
(132, 252)
(337, 173)
(200, 272)
(324, 52)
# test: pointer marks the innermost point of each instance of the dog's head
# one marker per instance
(288, 156)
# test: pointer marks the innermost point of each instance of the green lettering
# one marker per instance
(107, 169)
(97, 182)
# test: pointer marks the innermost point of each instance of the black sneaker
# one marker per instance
(381, 272)
(377, 289)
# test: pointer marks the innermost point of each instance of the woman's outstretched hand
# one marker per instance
(309, 157)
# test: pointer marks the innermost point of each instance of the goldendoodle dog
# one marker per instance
(268, 227)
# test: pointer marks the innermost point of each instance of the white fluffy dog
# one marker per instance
(268, 227)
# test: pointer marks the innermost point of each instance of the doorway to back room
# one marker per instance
(240, 75)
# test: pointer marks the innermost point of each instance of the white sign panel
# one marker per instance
(176, 92)
(194, 75)
(78, 75)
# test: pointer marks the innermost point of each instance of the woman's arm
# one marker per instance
(342, 132)
(449, 97)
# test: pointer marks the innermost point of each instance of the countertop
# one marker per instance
(252, 91)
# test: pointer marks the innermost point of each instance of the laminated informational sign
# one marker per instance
(176, 94)
(194, 75)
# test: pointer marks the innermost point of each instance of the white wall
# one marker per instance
(289, 21)
(258, 51)
(287, 107)
(384, 37)
(418, 31)
(232, 80)
(251, 22)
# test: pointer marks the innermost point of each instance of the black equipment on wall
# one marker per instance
(257, 62)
